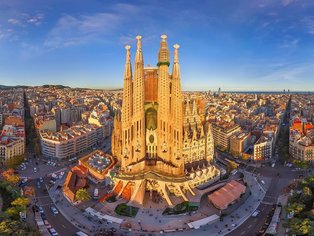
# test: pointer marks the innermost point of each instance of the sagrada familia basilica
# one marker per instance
(161, 142)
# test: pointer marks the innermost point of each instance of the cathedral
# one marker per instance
(161, 142)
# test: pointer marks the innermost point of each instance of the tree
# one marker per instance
(12, 212)
(307, 196)
(82, 195)
(299, 226)
(296, 207)
(20, 203)
(12, 227)
(9, 176)
(15, 161)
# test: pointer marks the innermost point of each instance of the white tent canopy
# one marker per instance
(198, 223)
(102, 216)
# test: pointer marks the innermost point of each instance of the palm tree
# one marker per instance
(82, 195)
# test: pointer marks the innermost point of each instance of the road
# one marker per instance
(252, 225)
(59, 222)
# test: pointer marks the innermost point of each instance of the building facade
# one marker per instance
(70, 142)
(156, 146)
(263, 148)
(222, 133)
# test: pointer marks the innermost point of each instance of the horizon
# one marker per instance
(211, 90)
(259, 45)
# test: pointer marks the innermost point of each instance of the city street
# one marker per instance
(59, 222)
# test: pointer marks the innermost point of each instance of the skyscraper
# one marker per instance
(148, 134)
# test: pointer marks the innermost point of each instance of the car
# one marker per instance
(54, 164)
(35, 170)
(21, 185)
(41, 179)
(234, 225)
(43, 216)
(38, 185)
(46, 222)
(54, 210)
(53, 232)
(255, 213)
(263, 182)
(41, 210)
(48, 163)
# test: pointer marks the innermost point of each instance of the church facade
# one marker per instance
(160, 141)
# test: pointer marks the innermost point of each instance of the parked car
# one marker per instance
(41, 179)
(54, 210)
(53, 232)
(41, 210)
(43, 216)
(35, 170)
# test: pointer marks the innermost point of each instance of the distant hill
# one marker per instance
(57, 86)
(11, 87)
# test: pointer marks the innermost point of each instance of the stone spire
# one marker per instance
(138, 141)
(127, 95)
(163, 54)
(127, 101)
(139, 55)
(164, 98)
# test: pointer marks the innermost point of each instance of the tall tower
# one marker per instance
(177, 113)
(138, 134)
(127, 109)
(164, 148)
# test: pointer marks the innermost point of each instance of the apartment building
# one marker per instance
(70, 142)
(263, 148)
(239, 142)
(222, 133)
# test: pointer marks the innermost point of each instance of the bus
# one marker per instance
(96, 194)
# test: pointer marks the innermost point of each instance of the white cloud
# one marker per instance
(289, 73)
(14, 21)
(287, 2)
(290, 43)
(71, 30)
(308, 23)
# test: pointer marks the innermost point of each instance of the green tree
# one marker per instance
(21, 203)
(82, 195)
(12, 212)
(299, 226)
(296, 207)
(307, 196)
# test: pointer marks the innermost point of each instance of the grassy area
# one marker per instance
(125, 210)
(182, 208)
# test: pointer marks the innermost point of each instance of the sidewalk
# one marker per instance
(283, 199)
(151, 220)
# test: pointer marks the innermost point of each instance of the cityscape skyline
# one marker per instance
(255, 46)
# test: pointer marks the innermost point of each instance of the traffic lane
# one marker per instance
(58, 222)
(253, 224)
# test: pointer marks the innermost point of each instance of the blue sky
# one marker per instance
(232, 44)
